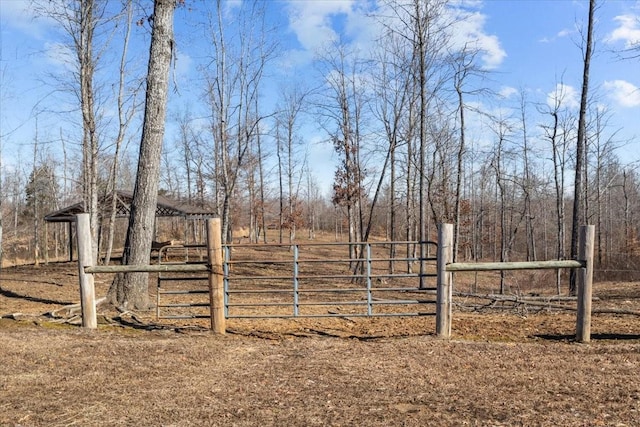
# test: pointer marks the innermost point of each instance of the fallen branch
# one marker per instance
(518, 298)
(615, 311)
(72, 309)
(538, 301)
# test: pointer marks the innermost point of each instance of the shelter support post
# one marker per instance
(70, 229)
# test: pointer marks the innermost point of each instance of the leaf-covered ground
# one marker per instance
(507, 367)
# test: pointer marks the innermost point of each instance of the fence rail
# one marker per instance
(446, 268)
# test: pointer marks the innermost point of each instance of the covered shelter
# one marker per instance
(166, 208)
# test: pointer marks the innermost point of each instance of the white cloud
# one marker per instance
(628, 30)
(183, 64)
(623, 93)
(320, 22)
(311, 21)
(469, 28)
(563, 96)
(20, 14)
(60, 55)
(564, 33)
(507, 92)
(230, 6)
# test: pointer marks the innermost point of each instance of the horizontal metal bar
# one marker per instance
(289, 290)
(333, 276)
(186, 316)
(330, 303)
(522, 265)
(397, 260)
(181, 278)
(286, 245)
(182, 262)
(401, 259)
(155, 268)
(290, 316)
(231, 277)
(402, 276)
(290, 260)
(399, 289)
(287, 261)
(161, 292)
(261, 304)
(186, 304)
(300, 277)
(402, 302)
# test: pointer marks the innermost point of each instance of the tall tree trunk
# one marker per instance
(130, 290)
(124, 118)
(87, 65)
(580, 148)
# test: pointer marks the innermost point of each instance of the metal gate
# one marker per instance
(304, 280)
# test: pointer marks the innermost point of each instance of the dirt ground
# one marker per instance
(504, 366)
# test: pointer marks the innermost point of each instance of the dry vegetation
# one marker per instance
(505, 365)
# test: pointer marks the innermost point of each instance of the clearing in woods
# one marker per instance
(505, 365)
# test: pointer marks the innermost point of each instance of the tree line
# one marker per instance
(417, 136)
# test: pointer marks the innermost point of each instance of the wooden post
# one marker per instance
(70, 228)
(585, 283)
(46, 243)
(216, 282)
(444, 290)
(85, 259)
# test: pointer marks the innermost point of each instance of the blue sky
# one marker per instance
(526, 45)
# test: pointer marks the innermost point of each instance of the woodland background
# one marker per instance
(411, 147)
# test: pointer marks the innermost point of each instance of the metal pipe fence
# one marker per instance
(298, 280)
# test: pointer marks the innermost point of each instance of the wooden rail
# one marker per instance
(152, 268)
(522, 265)
(446, 268)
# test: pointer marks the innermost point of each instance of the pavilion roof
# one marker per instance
(165, 208)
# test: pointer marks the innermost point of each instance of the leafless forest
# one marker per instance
(411, 148)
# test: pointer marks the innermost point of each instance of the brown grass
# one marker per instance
(502, 368)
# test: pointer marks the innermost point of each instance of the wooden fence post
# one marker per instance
(585, 283)
(444, 290)
(216, 279)
(85, 259)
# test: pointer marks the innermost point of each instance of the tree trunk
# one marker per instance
(124, 118)
(130, 290)
(580, 148)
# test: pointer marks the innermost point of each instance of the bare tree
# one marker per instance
(126, 109)
(527, 182)
(559, 134)
(509, 219)
(341, 113)
(288, 143)
(423, 24)
(392, 93)
(82, 22)
(464, 67)
(578, 211)
(233, 84)
(130, 290)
